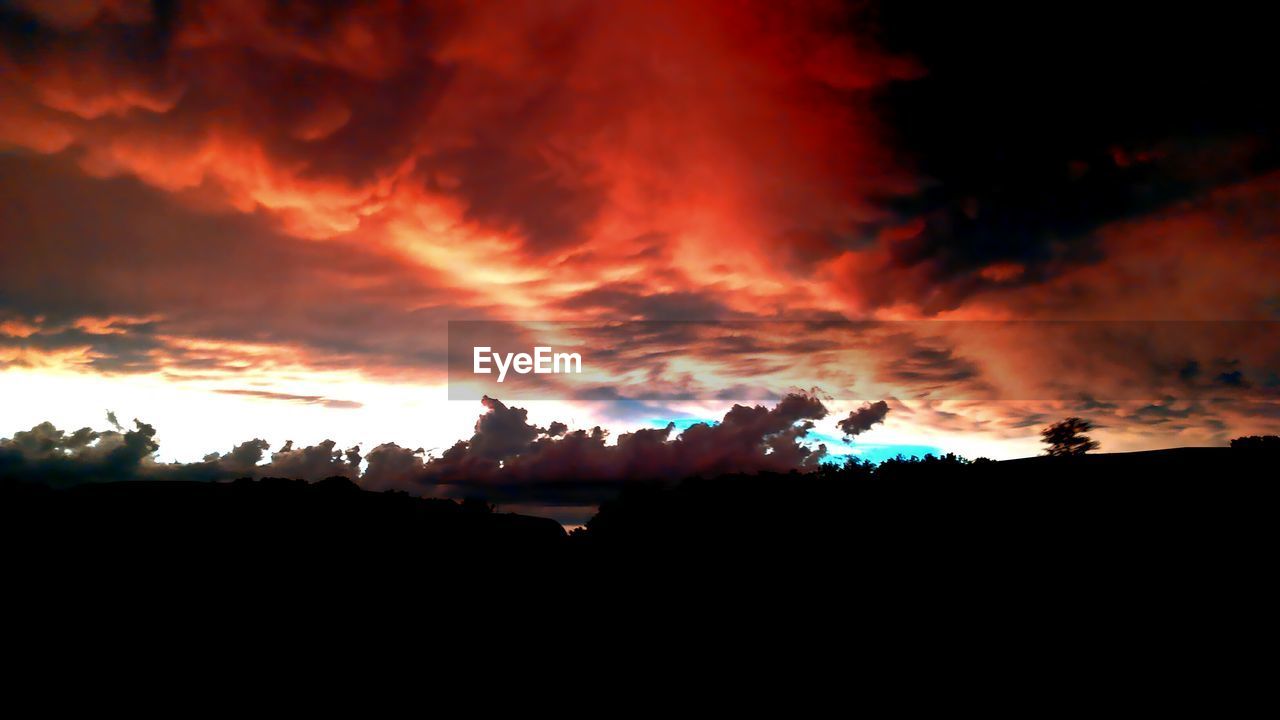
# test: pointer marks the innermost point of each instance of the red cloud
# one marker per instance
(529, 128)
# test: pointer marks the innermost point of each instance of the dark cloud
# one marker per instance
(1234, 378)
(615, 405)
(243, 457)
(50, 455)
(929, 365)
(861, 420)
(1035, 132)
(509, 188)
(391, 467)
(127, 347)
(632, 301)
(313, 462)
(501, 432)
(1164, 411)
(1190, 371)
(1087, 403)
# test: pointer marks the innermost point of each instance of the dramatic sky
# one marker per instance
(244, 219)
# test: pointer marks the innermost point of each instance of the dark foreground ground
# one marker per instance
(1124, 513)
(1175, 548)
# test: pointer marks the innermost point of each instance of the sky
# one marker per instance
(243, 221)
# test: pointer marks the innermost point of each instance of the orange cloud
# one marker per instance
(539, 129)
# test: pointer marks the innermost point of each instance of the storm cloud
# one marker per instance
(861, 420)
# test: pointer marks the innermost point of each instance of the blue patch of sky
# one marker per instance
(837, 448)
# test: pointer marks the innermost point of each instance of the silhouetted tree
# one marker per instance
(1257, 442)
(1067, 437)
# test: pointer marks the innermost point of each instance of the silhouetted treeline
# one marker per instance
(1257, 442)
(1119, 519)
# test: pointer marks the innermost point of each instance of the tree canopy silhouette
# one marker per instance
(1067, 437)
(1257, 442)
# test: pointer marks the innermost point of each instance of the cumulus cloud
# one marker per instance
(314, 461)
(46, 453)
(505, 451)
(391, 467)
